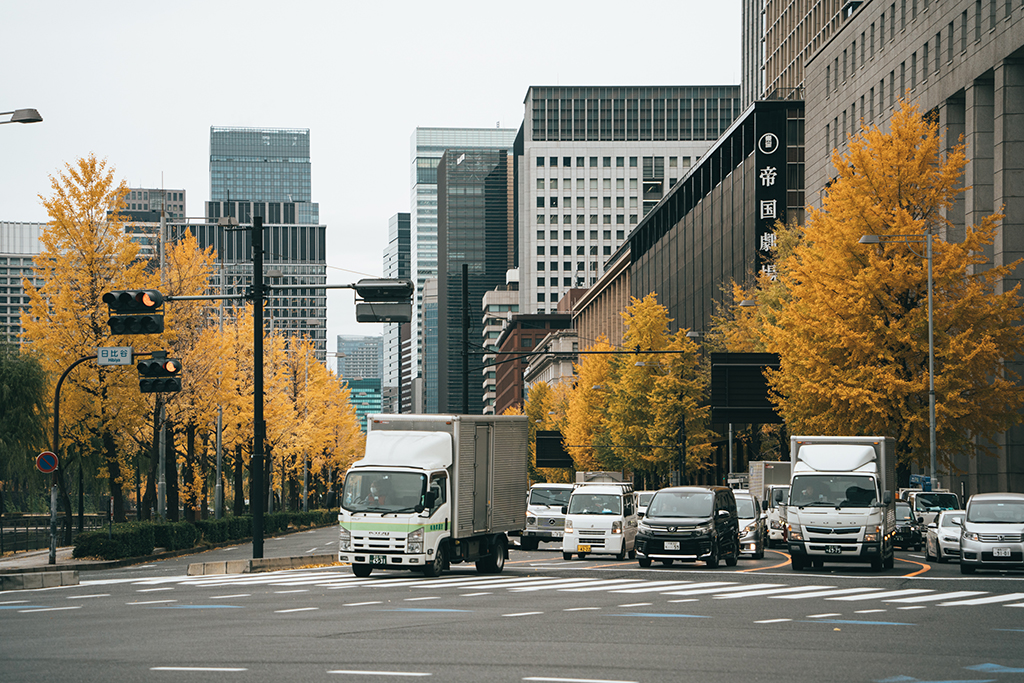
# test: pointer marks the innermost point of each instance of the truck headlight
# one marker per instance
(568, 526)
(776, 524)
(872, 533)
(617, 526)
(345, 540)
(414, 542)
(793, 533)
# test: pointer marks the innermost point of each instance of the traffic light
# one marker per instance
(159, 374)
(135, 311)
(384, 301)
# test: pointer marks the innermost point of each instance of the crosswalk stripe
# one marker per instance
(608, 586)
(564, 583)
(821, 594)
(882, 595)
(939, 596)
(765, 591)
(725, 589)
(654, 587)
(704, 587)
(984, 601)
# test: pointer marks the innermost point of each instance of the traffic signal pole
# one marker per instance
(259, 426)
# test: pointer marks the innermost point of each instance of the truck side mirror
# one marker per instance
(565, 509)
(764, 506)
(430, 499)
(886, 497)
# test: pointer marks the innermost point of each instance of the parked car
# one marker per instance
(753, 524)
(908, 529)
(942, 540)
(993, 532)
(643, 500)
(690, 523)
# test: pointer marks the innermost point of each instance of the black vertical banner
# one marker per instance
(770, 192)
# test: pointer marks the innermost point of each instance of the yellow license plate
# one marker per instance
(583, 548)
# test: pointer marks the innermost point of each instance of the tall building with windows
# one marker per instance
(427, 146)
(360, 356)
(591, 163)
(397, 264)
(499, 307)
(474, 222)
(266, 172)
(19, 245)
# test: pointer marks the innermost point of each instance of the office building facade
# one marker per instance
(591, 163)
(397, 265)
(499, 306)
(360, 356)
(365, 397)
(474, 222)
(19, 245)
(427, 146)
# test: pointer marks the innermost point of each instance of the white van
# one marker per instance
(601, 518)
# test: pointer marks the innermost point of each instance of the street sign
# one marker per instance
(114, 355)
(46, 462)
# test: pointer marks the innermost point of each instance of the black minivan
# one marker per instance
(690, 523)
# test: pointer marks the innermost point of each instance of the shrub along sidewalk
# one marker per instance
(138, 539)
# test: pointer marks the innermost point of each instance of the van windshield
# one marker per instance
(681, 504)
(933, 502)
(545, 496)
(996, 512)
(595, 504)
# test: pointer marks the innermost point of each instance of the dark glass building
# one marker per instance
(474, 224)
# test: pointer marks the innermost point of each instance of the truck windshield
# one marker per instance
(595, 504)
(544, 496)
(377, 491)
(840, 490)
(996, 512)
(933, 502)
(681, 504)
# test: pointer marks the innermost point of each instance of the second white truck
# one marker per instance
(769, 481)
(841, 502)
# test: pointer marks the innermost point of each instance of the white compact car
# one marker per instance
(993, 532)
(942, 542)
(600, 518)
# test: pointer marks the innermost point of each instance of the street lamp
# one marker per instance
(22, 116)
(914, 239)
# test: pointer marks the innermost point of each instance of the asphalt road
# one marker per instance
(542, 619)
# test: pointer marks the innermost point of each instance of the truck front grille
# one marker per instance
(377, 544)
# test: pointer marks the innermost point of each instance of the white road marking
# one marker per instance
(940, 596)
(48, 609)
(985, 601)
(296, 609)
(300, 590)
(82, 597)
(473, 595)
(772, 621)
(869, 611)
(686, 600)
(228, 597)
(432, 597)
(153, 590)
(14, 602)
(150, 602)
(637, 604)
(882, 595)
(654, 587)
(604, 585)
(573, 680)
(360, 604)
(820, 594)
(914, 607)
(219, 669)
(379, 673)
(521, 614)
(583, 609)
(764, 591)
(822, 616)
(722, 589)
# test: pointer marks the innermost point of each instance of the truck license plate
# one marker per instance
(833, 550)
(378, 559)
(583, 548)
(671, 545)
(1001, 552)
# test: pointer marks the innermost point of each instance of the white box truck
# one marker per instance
(433, 490)
(769, 481)
(841, 500)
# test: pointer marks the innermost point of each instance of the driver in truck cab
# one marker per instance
(376, 494)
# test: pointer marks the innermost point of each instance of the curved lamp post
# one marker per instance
(22, 116)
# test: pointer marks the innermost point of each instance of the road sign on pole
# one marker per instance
(114, 355)
(46, 462)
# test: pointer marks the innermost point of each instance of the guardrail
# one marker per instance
(18, 534)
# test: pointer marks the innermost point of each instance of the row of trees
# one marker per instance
(107, 424)
(848, 320)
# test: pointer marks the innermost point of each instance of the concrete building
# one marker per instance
(474, 225)
(427, 146)
(598, 312)
(360, 356)
(499, 306)
(960, 61)
(19, 245)
(397, 265)
(553, 364)
(591, 162)
(521, 336)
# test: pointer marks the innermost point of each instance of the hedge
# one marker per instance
(135, 539)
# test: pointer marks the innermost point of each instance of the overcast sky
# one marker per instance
(140, 84)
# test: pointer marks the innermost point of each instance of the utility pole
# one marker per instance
(259, 426)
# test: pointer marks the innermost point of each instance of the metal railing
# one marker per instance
(19, 534)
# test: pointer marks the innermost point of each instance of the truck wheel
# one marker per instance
(566, 556)
(798, 562)
(877, 565)
(362, 570)
(645, 562)
(889, 562)
(528, 543)
(436, 566)
(495, 562)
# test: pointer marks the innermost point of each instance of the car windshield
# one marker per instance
(376, 491)
(595, 504)
(902, 512)
(745, 507)
(645, 498)
(951, 520)
(931, 502)
(843, 490)
(681, 504)
(549, 496)
(996, 512)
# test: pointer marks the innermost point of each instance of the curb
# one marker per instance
(266, 564)
(50, 579)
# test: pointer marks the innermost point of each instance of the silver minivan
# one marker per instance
(993, 532)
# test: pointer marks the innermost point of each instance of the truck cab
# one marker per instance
(776, 496)
(601, 518)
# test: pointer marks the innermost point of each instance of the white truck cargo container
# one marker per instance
(841, 503)
(769, 481)
(433, 490)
